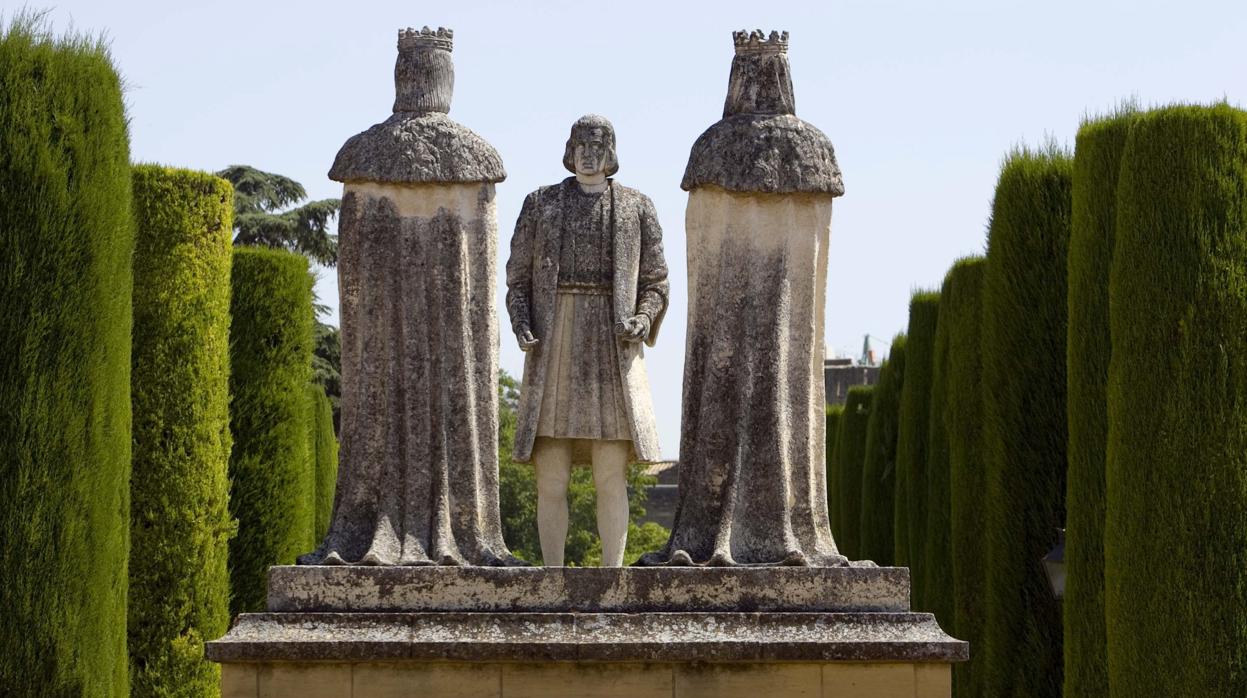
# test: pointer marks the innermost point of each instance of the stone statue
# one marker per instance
(760, 181)
(418, 475)
(586, 287)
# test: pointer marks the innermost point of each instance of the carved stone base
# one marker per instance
(371, 632)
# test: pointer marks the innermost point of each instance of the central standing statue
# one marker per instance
(586, 287)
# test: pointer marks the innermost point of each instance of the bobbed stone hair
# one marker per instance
(583, 124)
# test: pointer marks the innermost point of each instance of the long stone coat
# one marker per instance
(640, 287)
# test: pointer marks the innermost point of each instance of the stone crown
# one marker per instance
(756, 41)
(410, 38)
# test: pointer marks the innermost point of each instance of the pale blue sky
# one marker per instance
(921, 100)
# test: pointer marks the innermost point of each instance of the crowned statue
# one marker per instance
(586, 288)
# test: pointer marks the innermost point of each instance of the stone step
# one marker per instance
(588, 590)
(578, 637)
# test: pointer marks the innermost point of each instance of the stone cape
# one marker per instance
(415, 148)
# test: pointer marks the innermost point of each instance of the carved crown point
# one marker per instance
(441, 38)
(758, 42)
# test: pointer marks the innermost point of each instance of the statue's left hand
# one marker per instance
(634, 329)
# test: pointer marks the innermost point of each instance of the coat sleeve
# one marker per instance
(520, 264)
(652, 284)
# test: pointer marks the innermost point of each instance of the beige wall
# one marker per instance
(557, 680)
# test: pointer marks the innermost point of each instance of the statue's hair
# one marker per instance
(584, 123)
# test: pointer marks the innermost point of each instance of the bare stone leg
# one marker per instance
(552, 459)
(610, 463)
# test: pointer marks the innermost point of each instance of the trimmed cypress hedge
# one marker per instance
(851, 453)
(959, 306)
(272, 494)
(963, 416)
(1175, 537)
(66, 241)
(879, 466)
(911, 447)
(323, 446)
(179, 492)
(1097, 161)
(1024, 424)
(834, 413)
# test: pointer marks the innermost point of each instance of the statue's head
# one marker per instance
(591, 147)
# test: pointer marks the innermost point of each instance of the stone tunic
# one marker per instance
(580, 379)
(582, 397)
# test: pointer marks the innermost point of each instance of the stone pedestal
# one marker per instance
(372, 632)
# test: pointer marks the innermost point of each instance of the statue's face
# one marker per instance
(591, 153)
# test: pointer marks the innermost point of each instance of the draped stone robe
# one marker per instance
(639, 286)
(761, 181)
(418, 472)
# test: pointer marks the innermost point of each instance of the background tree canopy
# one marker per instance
(259, 218)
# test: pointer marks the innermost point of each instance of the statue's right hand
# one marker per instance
(525, 337)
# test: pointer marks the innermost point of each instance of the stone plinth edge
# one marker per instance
(588, 637)
(588, 590)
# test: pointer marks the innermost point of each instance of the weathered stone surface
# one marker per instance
(607, 637)
(414, 148)
(773, 153)
(588, 590)
(752, 467)
(760, 145)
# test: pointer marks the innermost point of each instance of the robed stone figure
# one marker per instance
(586, 288)
(761, 181)
(418, 468)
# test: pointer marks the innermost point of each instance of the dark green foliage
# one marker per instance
(961, 313)
(179, 496)
(1175, 537)
(910, 513)
(272, 490)
(1024, 424)
(327, 365)
(833, 415)
(258, 216)
(518, 500)
(851, 454)
(937, 562)
(1097, 161)
(323, 447)
(879, 469)
(66, 241)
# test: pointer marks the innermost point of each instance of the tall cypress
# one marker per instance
(324, 449)
(66, 241)
(1097, 161)
(963, 417)
(879, 466)
(834, 413)
(958, 306)
(273, 490)
(911, 448)
(851, 453)
(179, 511)
(1175, 537)
(1024, 422)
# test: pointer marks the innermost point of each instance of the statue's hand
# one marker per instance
(634, 329)
(525, 337)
